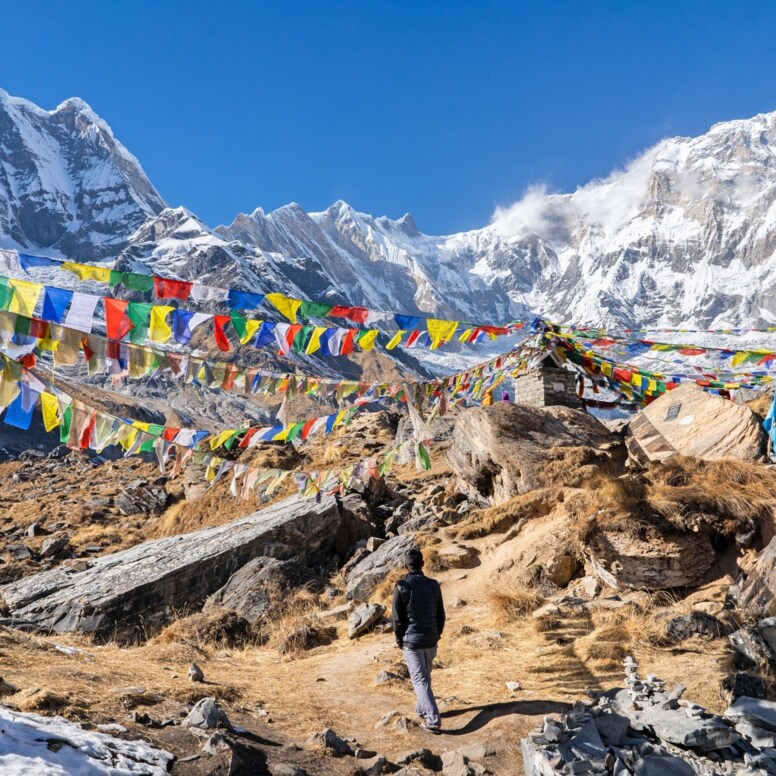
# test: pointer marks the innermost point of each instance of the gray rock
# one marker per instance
(195, 673)
(140, 498)
(758, 592)
(754, 646)
(377, 767)
(371, 570)
(502, 451)
(34, 530)
(135, 592)
(663, 766)
(388, 719)
(757, 736)
(255, 587)
(18, 551)
(755, 711)
(53, 546)
(364, 619)
(477, 752)
(215, 744)
(287, 769)
(206, 715)
(612, 728)
(695, 624)
(384, 677)
(455, 764)
(743, 684)
(373, 542)
(327, 739)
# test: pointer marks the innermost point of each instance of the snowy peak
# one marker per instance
(66, 184)
(685, 234)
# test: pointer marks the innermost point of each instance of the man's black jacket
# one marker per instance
(418, 611)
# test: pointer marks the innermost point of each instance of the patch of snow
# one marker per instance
(52, 746)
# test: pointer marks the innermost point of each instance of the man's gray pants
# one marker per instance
(419, 662)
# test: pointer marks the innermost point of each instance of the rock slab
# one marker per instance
(689, 421)
(137, 591)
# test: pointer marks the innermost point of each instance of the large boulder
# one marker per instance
(256, 587)
(137, 591)
(368, 573)
(689, 421)
(758, 591)
(507, 449)
(659, 561)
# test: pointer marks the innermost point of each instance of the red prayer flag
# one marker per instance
(348, 342)
(117, 323)
(165, 288)
(219, 322)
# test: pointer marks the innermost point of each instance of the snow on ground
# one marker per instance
(31, 745)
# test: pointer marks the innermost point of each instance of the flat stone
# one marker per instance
(663, 766)
(756, 711)
(135, 592)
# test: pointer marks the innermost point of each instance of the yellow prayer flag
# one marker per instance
(395, 340)
(158, 328)
(285, 305)
(49, 405)
(465, 336)
(440, 331)
(367, 342)
(87, 271)
(315, 340)
(220, 439)
(340, 417)
(281, 437)
(251, 327)
(739, 358)
(25, 296)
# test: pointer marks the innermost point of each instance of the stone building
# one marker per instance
(548, 384)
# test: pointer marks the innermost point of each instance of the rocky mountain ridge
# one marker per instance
(684, 235)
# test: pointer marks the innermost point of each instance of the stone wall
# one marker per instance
(547, 387)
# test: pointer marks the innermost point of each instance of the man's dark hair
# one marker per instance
(413, 559)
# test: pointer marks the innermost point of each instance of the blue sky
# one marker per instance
(444, 109)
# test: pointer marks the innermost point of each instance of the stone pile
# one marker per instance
(647, 730)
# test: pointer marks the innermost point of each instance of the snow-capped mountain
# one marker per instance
(67, 186)
(685, 234)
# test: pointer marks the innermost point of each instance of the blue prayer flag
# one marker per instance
(244, 300)
(55, 302)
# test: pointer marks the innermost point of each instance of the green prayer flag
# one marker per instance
(64, 429)
(315, 310)
(233, 438)
(239, 324)
(296, 429)
(139, 313)
(136, 282)
(6, 294)
(300, 341)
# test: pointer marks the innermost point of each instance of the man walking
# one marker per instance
(418, 622)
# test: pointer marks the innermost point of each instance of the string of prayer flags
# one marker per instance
(182, 290)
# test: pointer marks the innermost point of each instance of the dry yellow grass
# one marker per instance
(508, 606)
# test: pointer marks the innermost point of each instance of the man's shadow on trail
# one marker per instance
(491, 711)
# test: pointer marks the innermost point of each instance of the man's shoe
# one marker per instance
(435, 730)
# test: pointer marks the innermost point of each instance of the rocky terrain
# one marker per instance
(235, 637)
